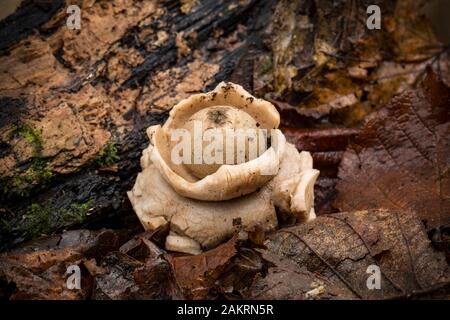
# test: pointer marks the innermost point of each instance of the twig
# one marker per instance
(422, 292)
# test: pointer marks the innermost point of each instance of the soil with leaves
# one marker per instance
(372, 106)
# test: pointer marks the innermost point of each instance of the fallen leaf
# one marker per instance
(324, 195)
(37, 269)
(138, 271)
(317, 140)
(238, 276)
(339, 248)
(326, 65)
(287, 281)
(196, 274)
(326, 145)
(117, 283)
(401, 158)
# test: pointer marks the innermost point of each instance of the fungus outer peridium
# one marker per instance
(201, 212)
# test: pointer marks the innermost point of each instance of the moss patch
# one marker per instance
(107, 156)
(43, 219)
(32, 136)
(36, 175)
(21, 184)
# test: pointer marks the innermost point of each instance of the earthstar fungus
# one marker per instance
(205, 202)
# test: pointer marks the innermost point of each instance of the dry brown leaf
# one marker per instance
(38, 269)
(138, 270)
(339, 248)
(286, 280)
(128, 278)
(401, 158)
(327, 65)
(196, 274)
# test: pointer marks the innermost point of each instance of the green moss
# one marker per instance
(75, 213)
(107, 156)
(37, 175)
(36, 221)
(43, 219)
(38, 172)
(33, 136)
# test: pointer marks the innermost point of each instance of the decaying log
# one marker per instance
(74, 103)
